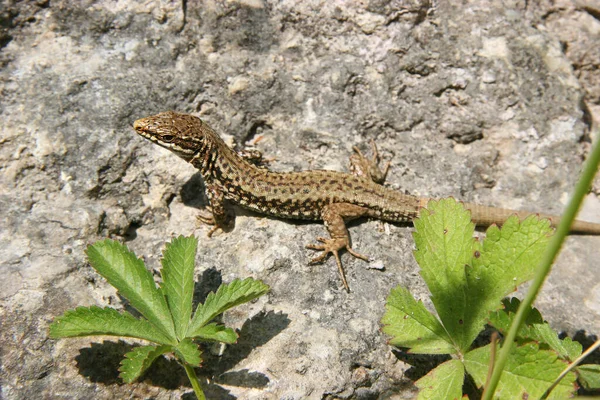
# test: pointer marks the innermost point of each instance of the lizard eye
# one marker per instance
(168, 138)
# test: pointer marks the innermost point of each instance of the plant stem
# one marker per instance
(581, 189)
(194, 381)
(493, 350)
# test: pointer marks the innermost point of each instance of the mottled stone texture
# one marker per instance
(485, 102)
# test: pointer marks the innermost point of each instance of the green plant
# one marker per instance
(581, 189)
(167, 310)
(468, 280)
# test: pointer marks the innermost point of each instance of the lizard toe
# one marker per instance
(319, 259)
(205, 218)
(213, 230)
(357, 255)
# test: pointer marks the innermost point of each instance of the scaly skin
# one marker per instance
(318, 195)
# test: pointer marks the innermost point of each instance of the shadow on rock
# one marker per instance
(243, 378)
(192, 192)
(100, 363)
(211, 391)
(255, 332)
(209, 281)
(420, 364)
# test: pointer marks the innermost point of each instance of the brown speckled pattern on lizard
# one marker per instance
(330, 196)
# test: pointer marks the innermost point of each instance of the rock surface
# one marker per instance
(484, 102)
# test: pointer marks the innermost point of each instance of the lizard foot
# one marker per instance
(333, 246)
(362, 166)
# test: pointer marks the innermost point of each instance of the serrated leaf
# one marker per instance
(227, 296)
(447, 254)
(178, 280)
(589, 376)
(569, 347)
(445, 246)
(411, 325)
(137, 361)
(128, 274)
(87, 321)
(528, 373)
(507, 258)
(535, 328)
(188, 352)
(443, 382)
(216, 333)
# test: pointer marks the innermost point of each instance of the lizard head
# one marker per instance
(183, 134)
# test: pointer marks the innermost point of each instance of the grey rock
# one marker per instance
(481, 102)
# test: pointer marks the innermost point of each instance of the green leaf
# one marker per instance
(445, 246)
(227, 296)
(178, 280)
(567, 346)
(589, 376)
(534, 329)
(188, 352)
(128, 274)
(528, 373)
(411, 325)
(443, 382)
(216, 333)
(468, 279)
(137, 361)
(84, 321)
(507, 258)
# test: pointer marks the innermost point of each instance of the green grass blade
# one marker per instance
(128, 274)
(137, 361)
(178, 280)
(581, 189)
(89, 321)
(227, 296)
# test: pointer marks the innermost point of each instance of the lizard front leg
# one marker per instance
(219, 216)
(333, 216)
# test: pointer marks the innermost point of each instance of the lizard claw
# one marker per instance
(333, 246)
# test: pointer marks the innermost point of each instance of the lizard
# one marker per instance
(317, 195)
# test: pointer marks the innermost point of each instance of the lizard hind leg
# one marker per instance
(334, 215)
(254, 157)
(368, 168)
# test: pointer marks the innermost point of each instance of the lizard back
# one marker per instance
(302, 195)
(298, 195)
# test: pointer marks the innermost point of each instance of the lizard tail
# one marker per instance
(486, 216)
